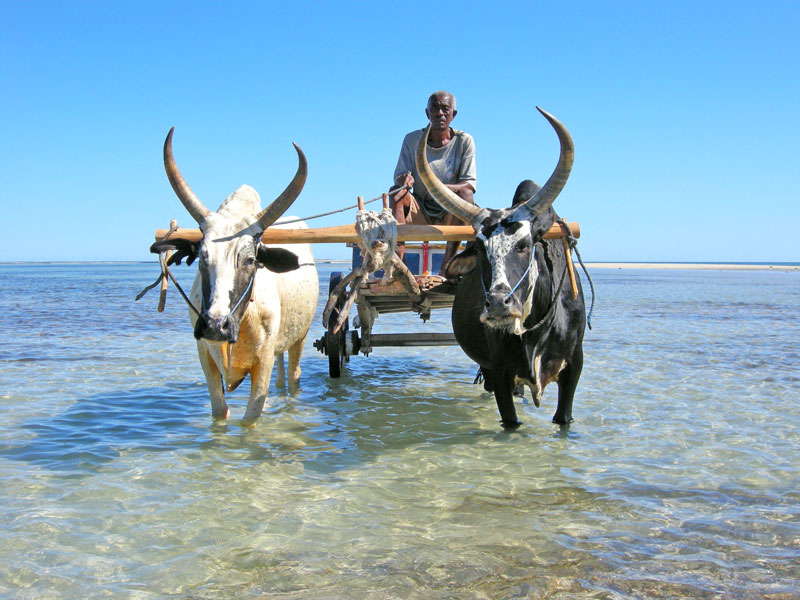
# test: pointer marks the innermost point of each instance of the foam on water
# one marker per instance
(679, 477)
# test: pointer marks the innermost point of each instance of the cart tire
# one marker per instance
(335, 342)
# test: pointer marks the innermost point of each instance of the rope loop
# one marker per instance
(573, 244)
(333, 212)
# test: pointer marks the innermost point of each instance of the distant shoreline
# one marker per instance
(591, 265)
(694, 266)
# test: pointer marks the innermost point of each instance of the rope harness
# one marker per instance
(245, 293)
(573, 245)
(165, 272)
(550, 311)
(522, 277)
(180, 289)
(333, 212)
(571, 241)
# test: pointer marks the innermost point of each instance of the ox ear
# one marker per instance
(541, 224)
(462, 263)
(526, 190)
(277, 260)
(181, 248)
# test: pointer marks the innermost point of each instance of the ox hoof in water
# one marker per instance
(222, 416)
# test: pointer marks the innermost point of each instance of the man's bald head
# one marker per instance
(442, 94)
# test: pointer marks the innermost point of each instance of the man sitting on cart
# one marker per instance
(451, 155)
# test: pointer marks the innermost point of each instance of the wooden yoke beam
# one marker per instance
(341, 234)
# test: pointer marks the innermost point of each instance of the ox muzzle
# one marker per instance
(501, 305)
(225, 329)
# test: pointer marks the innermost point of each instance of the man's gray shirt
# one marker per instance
(453, 163)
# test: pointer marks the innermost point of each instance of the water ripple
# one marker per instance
(677, 479)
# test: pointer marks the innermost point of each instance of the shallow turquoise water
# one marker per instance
(679, 477)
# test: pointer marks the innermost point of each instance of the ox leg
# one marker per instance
(280, 371)
(503, 395)
(295, 352)
(219, 408)
(484, 376)
(259, 381)
(567, 384)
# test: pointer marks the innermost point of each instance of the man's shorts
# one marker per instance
(416, 215)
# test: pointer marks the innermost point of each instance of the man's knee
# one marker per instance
(467, 194)
(402, 198)
(400, 205)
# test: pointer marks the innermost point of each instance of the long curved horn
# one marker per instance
(449, 200)
(187, 197)
(278, 206)
(545, 197)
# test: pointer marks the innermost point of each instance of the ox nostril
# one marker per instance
(227, 326)
(507, 300)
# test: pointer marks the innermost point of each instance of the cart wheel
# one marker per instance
(335, 342)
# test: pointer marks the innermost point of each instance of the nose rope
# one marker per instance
(573, 244)
(521, 279)
(241, 298)
(550, 311)
(165, 272)
(525, 274)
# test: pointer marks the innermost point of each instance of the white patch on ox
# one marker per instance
(226, 235)
(500, 247)
(541, 377)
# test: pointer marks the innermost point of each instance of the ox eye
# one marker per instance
(523, 246)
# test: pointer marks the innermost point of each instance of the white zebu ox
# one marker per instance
(250, 302)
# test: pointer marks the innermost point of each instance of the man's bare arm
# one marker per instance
(464, 190)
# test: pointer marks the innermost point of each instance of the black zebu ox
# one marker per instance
(513, 313)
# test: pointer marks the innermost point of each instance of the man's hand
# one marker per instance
(406, 179)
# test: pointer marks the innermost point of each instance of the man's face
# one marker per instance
(440, 112)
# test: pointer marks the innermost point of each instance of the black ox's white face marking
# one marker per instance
(510, 271)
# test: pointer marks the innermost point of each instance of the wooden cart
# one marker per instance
(376, 297)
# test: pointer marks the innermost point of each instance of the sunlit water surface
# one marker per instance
(678, 478)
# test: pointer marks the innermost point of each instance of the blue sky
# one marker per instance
(684, 115)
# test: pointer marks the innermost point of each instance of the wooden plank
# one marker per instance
(570, 268)
(384, 309)
(376, 287)
(162, 296)
(341, 234)
(379, 340)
